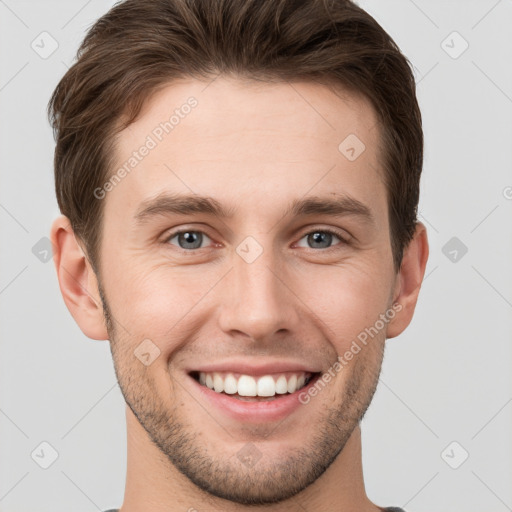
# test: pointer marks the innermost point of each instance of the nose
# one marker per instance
(257, 300)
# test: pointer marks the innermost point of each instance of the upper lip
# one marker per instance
(254, 367)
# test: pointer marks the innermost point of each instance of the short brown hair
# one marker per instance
(140, 46)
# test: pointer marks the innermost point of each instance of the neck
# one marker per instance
(153, 483)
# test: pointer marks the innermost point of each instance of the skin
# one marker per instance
(254, 148)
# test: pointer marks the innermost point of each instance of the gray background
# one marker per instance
(446, 379)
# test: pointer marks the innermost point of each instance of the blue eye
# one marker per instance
(188, 239)
(322, 238)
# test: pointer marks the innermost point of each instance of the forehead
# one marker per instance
(232, 137)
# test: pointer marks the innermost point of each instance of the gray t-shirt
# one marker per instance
(389, 509)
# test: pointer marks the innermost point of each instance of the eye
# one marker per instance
(322, 238)
(188, 239)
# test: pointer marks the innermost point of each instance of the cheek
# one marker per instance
(157, 301)
(347, 301)
(153, 300)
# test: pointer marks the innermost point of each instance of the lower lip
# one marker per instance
(255, 412)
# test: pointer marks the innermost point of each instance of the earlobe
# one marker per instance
(77, 281)
(409, 281)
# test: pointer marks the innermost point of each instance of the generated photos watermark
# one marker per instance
(152, 140)
(363, 337)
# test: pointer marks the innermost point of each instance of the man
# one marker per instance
(239, 182)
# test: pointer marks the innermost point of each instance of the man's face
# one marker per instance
(264, 291)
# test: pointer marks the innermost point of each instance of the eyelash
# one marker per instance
(330, 231)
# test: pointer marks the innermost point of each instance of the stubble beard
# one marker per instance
(268, 481)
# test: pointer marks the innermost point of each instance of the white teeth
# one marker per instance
(292, 383)
(246, 385)
(218, 383)
(230, 385)
(281, 385)
(266, 386)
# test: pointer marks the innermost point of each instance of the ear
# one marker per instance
(408, 281)
(77, 280)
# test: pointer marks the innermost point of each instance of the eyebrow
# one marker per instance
(182, 205)
(165, 203)
(339, 206)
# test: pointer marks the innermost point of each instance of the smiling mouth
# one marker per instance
(250, 388)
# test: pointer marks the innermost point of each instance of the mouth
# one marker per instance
(251, 388)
